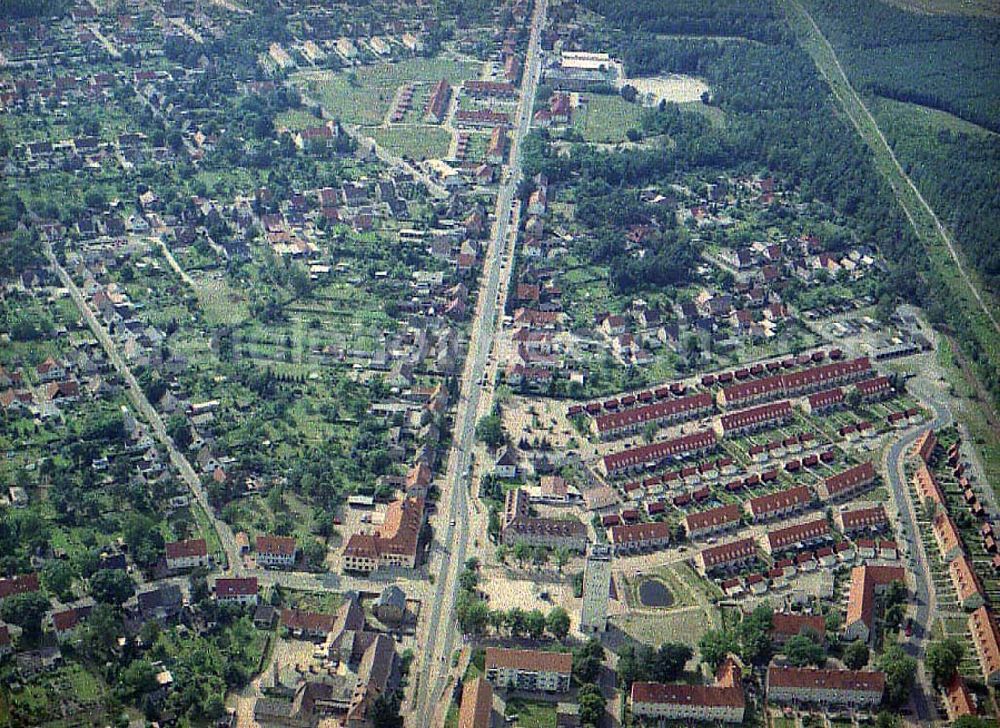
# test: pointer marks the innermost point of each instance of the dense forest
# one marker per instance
(946, 62)
(753, 19)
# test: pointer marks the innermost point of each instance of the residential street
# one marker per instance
(149, 413)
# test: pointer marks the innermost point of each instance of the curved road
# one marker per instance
(436, 651)
(893, 460)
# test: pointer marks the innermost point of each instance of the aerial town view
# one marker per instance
(488, 363)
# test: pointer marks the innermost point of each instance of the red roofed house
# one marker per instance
(848, 688)
(967, 586)
(986, 638)
(236, 590)
(927, 487)
(187, 554)
(847, 483)
(726, 556)
(824, 401)
(780, 504)
(634, 420)
(866, 583)
(785, 625)
(875, 388)
(19, 584)
(393, 544)
(635, 537)
(722, 702)
(861, 519)
(276, 551)
(531, 670)
(312, 625)
(639, 457)
(65, 623)
(797, 536)
(755, 418)
(946, 534)
(925, 444)
(957, 698)
(437, 104)
(712, 521)
(476, 710)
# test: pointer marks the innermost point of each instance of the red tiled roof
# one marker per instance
(19, 584)
(659, 450)
(756, 415)
(797, 534)
(848, 479)
(764, 504)
(690, 404)
(561, 662)
(728, 552)
(787, 624)
(187, 548)
(681, 694)
(639, 533)
(276, 545)
(235, 587)
(864, 580)
(723, 515)
(816, 679)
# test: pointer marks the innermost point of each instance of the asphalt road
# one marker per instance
(441, 635)
(919, 566)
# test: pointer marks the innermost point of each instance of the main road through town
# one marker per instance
(434, 655)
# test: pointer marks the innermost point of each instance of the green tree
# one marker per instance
(714, 645)
(385, 711)
(557, 622)
(179, 431)
(137, 679)
(592, 705)
(313, 552)
(26, 611)
(561, 556)
(489, 430)
(900, 671)
(754, 635)
(57, 576)
(110, 586)
(587, 660)
(856, 655)
(534, 621)
(801, 651)
(516, 622)
(669, 661)
(943, 658)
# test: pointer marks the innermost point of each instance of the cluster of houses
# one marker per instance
(970, 594)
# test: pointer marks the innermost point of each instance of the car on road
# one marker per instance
(451, 522)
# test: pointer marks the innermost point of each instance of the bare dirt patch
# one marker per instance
(674, 87)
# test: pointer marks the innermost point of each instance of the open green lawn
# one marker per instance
(363, 96)
(415, 142)
(531, 714)
(606, 118)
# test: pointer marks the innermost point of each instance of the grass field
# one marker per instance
(606, 118)
(363, 96)
(296, 119)
(416, 142)
(531, 714)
